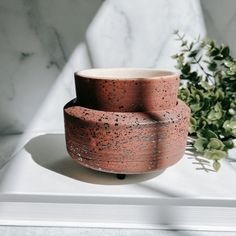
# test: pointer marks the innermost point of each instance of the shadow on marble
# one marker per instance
(49, 151)
(8, 144)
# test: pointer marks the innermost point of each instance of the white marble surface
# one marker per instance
(40, 171)
(36, 39)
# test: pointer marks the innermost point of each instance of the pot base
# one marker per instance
(126, 142)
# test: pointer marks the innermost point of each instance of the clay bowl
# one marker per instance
(126, 89)
(126, 142)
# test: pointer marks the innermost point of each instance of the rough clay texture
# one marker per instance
(127, 95)
(126, 142)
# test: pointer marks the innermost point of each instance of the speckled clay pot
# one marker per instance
(126, 89)
(127, 142)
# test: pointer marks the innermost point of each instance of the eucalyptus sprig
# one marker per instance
(209, 72)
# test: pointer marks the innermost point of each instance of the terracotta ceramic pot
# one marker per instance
(129, 138)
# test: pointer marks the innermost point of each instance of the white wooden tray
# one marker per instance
(42, 186)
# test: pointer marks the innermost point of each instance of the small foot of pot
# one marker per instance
(120, 176)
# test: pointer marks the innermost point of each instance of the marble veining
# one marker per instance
(47, 34)
(122, 36)
(36, 41)
(123, 19)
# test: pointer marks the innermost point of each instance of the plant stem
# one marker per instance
(208, 76)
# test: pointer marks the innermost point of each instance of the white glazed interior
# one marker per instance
(124, 73)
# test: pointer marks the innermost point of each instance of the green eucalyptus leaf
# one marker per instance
(219, 94)
(214, 115)
(229, 144)
(197, 97)
(233, 118)
(175, 56)
(214, 52)
(233, 104)
(191, 46)
(233, 68)
(233, 78)
(216, 165)
(230, 126)
(192, 125)
(205, 85)
(226, 125)
(218, 107)
(202, 121)
(193, 53)
(212, 43)
(218, 58)
(200, 144)
(184, 94)
(176, 32)
(184, 43)
(228, 63)
(215, 143)
(212, 66)
(195, 107)
(215, 154)
(232, 111)
(225, 51)
(230, 72)
(233, 133)
(193, 75)
(186, 69)
(208, 134)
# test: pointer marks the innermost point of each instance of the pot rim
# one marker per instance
(126, 74)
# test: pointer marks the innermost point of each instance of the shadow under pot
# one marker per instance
(126, 142)
(126, 89)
